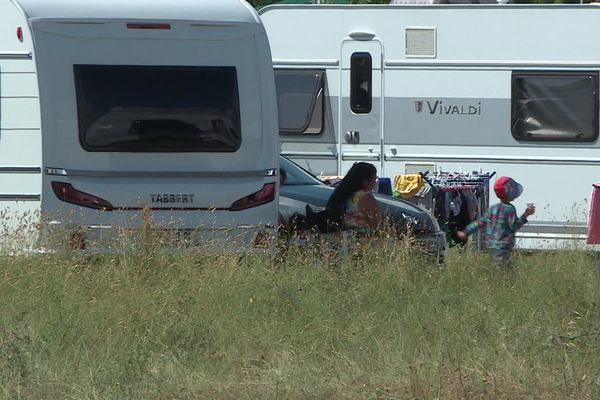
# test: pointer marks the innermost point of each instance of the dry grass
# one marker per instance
(146, 324)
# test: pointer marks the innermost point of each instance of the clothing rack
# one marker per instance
(478, 183)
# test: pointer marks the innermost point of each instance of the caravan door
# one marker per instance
(360, 104)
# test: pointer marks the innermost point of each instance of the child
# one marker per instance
(501, 222)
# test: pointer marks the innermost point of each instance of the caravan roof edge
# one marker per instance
(216, 10)
(274, 7)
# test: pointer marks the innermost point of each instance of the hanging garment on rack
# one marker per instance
(455, 204)
(424, 197)
(458, 198)
(456, 221)
(406, 186)
(439, 210)
(424, 191)
(472, 203)
(384, 186)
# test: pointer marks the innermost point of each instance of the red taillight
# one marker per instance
(132, 25)
(66, 192)
(20, 33)
(263, 196)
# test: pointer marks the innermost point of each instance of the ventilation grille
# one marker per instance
(420, 42)
(415, 168)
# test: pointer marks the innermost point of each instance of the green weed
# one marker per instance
(383, 324)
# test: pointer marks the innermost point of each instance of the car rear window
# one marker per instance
(158, 108)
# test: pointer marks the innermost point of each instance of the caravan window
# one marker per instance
(559, 106)
(361, 94)
(158, 108)
(300, 101)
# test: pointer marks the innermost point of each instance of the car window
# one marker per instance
(296, 175)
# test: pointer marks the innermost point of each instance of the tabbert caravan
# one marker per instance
(505, 88)
(109, 108)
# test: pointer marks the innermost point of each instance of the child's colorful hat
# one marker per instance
(506, 187)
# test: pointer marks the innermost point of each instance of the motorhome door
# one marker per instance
(360, 103)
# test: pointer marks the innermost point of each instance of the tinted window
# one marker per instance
(158, 109)
(361, 94)
(556, 106)
(300, 101)
(296, 175)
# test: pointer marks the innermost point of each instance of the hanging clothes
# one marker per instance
(406, 186)
(384, 186)
(458, 200)
(472, 204)
(455, 204)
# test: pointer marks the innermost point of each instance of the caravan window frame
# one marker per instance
(187, 109)
(520, 100)
(314, 112)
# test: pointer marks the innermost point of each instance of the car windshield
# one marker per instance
(296, 175)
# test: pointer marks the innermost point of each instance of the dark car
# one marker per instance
(301, 188)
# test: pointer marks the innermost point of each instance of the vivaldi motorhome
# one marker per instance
(505, 88)
(109, 108)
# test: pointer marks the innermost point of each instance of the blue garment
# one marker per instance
(384, 186)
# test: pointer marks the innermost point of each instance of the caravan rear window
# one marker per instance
(300, 101)
(555, 106)
(158, 108)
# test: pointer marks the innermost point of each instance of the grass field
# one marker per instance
(390, 325)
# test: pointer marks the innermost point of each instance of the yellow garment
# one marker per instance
(407, 185)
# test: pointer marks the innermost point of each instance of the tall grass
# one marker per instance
(387, 325)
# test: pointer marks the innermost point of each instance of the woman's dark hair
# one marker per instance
(352, 183)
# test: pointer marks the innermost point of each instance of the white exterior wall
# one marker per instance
(20, 127)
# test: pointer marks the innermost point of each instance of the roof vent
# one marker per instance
(420, 42)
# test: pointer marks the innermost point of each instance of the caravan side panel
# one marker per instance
(464, 87)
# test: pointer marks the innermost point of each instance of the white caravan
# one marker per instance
(505, 88)
(108, 108)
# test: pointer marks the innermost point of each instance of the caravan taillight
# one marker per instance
(135, 25)
(20, 33)
(263, 196)
(66, 192)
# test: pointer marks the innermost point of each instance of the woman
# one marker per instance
(352, 204)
